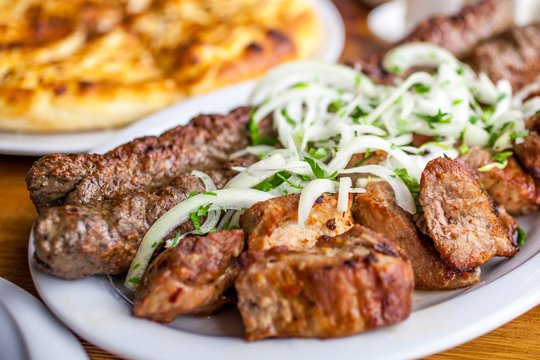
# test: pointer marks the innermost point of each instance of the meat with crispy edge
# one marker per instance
(144, 164)
(514, 55)
(377, 209)
(274, 222)
(528, 152)
(72, 242)
(460, 218)
(510, 187)
(346, 285)
(190, 278)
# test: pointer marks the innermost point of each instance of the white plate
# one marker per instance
(29, 331)
(331, 45)
(97, 312)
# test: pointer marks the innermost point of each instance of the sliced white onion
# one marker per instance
(345, 185)
(403, 196)
(254, 150)
(226, 198)
(491, 166)
(225, 220)
(362, 143)
(401, 58)
(207, 181)
(308, 196)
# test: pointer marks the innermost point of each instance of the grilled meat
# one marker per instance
(514, 55)
(510, 187)
(528, 153)
(189, 278)
(460, 218)
(349, 284)
(459, 33)
(76, 241)
(377, 209)
(508, 221)
(144, 164)
(274, 222)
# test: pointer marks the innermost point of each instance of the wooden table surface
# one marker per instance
(519, 339)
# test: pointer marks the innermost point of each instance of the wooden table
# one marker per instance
(519, 339)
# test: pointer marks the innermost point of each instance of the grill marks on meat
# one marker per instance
(274, 222)
(77, 241)
(144, 164)
(510, 187)
(460, 218)
(514, 55)
(461, 32)
(377, 209)
(190, 278)
(359, 283)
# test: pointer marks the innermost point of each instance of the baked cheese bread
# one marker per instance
(75, 65)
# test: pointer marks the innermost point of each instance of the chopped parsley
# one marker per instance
(420, 88)
(289, 182)
(257, 139)
(272, 182)
(176, 238)
(318, 153)
(192, 194)
(411, 183)
(288, 118)
(457, 102)
(134, 280)
(335, 106)
(315, 168)
(519, 134)
(439, 118)
(521, 238)
(195, 216)
(501, 157)
(464, 149)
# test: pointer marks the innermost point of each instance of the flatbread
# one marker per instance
(75, 65)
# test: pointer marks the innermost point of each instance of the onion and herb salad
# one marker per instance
(324, 113)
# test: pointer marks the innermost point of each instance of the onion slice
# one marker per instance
(403, 196)
(345, 185)
(308, 196)
(226, 198)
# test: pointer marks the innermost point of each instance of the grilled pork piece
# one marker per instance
(189, 278)
(508, 221)
(348, 284)
(514, 55)
(377, 209)
(510, 187)
(474, 23)
(274, 222)
(528, 152)
(460, 218)
(144, 164)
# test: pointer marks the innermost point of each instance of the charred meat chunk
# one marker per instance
(352, 283)
(528, 153)
(460, 218)
(73, 242)
(144, 164)
(189, 278)
(459, 33)
(510, 187)
(377, 209)
(274, 222)
(513, 55)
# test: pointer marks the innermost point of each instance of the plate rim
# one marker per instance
(525, 279)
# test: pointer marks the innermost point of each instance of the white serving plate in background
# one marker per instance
(331, 46)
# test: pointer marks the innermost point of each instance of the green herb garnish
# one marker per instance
(521, 238)
(501, 157)
(315, 168)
